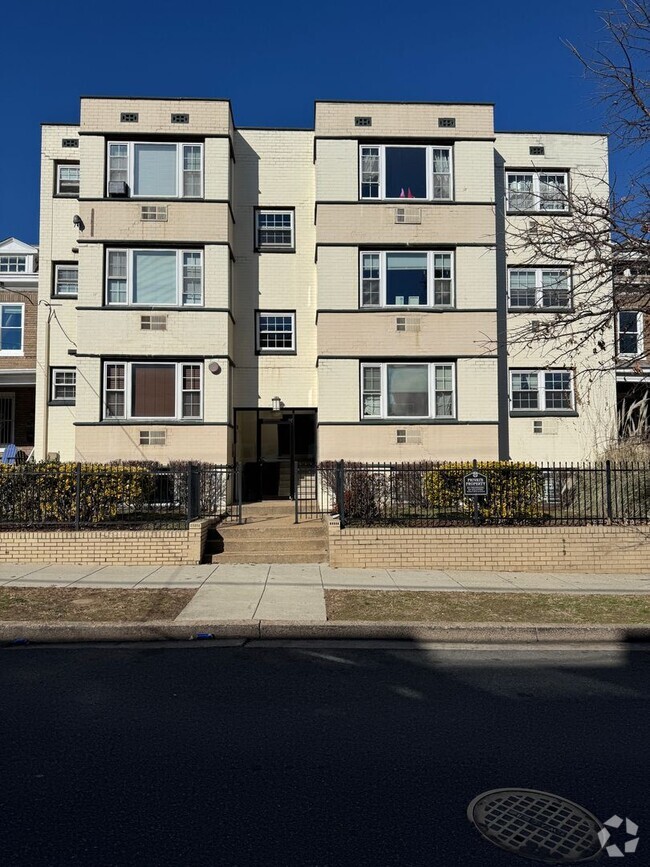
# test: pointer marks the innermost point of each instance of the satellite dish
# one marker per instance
(214, 367)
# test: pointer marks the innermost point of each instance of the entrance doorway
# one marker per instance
(268, 444)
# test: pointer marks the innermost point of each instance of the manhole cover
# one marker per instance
(536, 825)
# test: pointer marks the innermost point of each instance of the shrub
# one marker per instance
(515, 491)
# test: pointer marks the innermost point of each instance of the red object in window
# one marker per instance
(402, 195)
(409, 194)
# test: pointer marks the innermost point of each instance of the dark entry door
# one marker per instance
(276, 449)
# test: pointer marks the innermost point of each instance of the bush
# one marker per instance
(515, 491)
(42, 493)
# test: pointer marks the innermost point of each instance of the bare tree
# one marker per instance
(604, 232)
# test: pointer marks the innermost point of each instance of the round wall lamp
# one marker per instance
(214, 367)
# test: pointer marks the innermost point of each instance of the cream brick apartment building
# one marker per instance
(341, 292)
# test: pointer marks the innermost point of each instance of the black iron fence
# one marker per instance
(436, 495)
(121, 496)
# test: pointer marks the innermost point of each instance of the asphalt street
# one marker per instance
(317, 755)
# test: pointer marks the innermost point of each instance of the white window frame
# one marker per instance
(7, 259)
(179, 168)
(541, 391)
(539, 288)
(60, 166)
(537, 199)
(383, 280)
(53, 384)
(431, 369)
(429, 173)
(8, 353)
(271, 247)
(128, 390)
(63, 267)
(275, 350)
(129, 277)
(639, 334)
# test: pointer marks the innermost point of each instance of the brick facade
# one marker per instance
(110, 547)
(493, 549)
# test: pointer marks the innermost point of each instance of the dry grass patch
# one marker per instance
(468, 607)
(91, 605)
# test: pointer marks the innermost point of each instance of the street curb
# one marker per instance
(12, 633)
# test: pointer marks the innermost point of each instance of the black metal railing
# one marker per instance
(121, 496)
(311, 493)
(434, 495)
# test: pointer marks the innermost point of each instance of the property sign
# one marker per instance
(475, 484)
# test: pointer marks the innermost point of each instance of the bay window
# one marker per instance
(539, 288)
(421, 172)
(541, 390)
(407, 390)
(157, 169)
(154, 278)
(148, 390)
(396, 279)
(537, 191)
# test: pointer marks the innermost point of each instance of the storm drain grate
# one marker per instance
(536, 825)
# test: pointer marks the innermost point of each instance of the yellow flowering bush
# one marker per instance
(515, 490)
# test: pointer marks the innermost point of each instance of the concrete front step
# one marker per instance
(268, 558)
(275, 546)
(260, 531)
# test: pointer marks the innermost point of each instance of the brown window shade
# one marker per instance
(154, 390)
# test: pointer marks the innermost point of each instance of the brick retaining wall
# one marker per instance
(116, 547)
(526, 549)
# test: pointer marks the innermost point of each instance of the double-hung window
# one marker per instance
(154, 278)
(63, 385)
(152, 390)
(157, 169)
(537, 191)
(408, 390)
(12, 317)
(421, 172)
(630, 333)
(67, 179)
(276, 331)
(541, 390)
(274, 230)
(397, 279)
(66, 281)
(539, 288)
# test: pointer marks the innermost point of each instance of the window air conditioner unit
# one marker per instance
(118, 189)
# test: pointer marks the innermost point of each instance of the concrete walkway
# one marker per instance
(296, 591)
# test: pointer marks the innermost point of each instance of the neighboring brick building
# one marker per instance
(632, 293)
(18, 309)
(264, 295)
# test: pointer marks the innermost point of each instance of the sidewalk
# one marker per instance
(296, 591)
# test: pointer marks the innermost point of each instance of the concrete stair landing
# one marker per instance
(269, 535)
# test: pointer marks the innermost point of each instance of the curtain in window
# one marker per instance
(154, 390)
(408, 390)
(154, 277)
(155, 170)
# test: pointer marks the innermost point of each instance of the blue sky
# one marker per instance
(273, 60)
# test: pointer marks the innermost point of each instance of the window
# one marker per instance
(630, 332)
(66, 280)
(544, 288)
(136, 390)
(157, 278)
(13, 264)
(541, 390)
(537, 191)
(407, 390)
(395, 279)
(157, 169)
(67, 179)
(405, 172)
(11, 329)
(64, 385)
(274, 230)
(276, 331)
